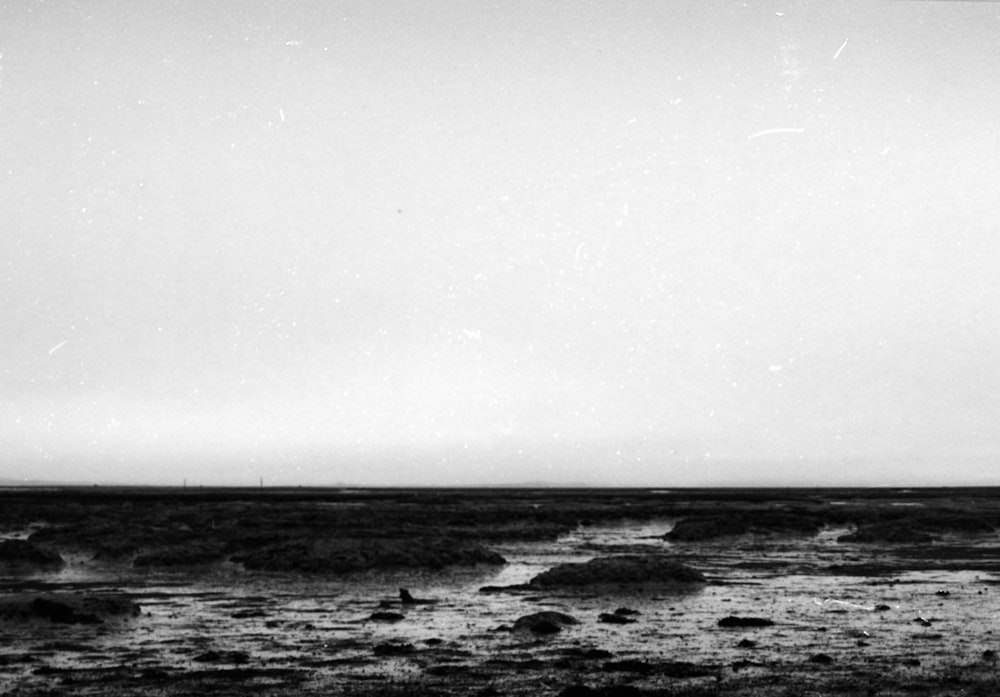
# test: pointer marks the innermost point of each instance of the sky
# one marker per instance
(693, 243)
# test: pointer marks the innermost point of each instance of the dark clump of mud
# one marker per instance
(921, 528)
(620, 570)
(762, 522)
(347, 555)
(173, 531)
(893, 532)
(189, 554)
(615, 618)
(386, 616)
(20, 555)
(732, 621)
(547, 622)
(67, 608)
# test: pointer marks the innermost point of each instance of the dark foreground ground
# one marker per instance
(512, 592)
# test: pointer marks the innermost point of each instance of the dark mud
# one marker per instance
(691, 592)
(22, 555)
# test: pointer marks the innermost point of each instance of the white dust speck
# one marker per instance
(773, 131)
(58, 346)
(841, 49)
(774, 368)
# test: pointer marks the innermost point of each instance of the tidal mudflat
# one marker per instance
(507, 592)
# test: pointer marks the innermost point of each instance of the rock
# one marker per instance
(386, 617)
(611, 618)
(989, 655)
(732, 621)
(25, 555)
(820, 658)
(922, 622)
(621, 570)
(746, 644)
(942, 593)
(406, 599)
(626, 612)
(546, 622)
(882, 608)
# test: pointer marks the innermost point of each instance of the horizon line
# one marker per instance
(10, 484)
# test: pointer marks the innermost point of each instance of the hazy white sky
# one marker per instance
(629, 243)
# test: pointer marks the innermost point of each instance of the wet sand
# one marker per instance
(296, 592)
